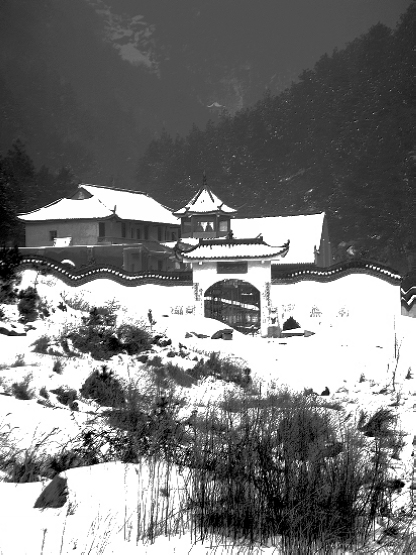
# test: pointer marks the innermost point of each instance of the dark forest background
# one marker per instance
(340, 140)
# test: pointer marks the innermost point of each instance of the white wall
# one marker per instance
(366, 307)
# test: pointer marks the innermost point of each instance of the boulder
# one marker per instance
(295, 332)
(55, 495)
(219, 334)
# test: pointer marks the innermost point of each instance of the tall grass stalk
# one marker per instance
(268, 475)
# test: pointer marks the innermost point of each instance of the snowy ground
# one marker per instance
(358, 370)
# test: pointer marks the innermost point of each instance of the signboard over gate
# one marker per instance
(231, 267)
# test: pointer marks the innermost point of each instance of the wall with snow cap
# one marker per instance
(362, 305)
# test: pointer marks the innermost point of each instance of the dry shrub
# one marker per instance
(22, 390)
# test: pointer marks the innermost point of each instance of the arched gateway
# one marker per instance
(227, 271)
(234, 302)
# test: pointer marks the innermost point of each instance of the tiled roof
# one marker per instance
(304, 233)
(68, 209)
(204, 202)
(105, 202)
(229, 249)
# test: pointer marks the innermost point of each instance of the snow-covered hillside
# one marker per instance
(359, 377)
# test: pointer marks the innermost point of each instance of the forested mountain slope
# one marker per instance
(341, 140)
(67, 94)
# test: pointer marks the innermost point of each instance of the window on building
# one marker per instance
(160, 265)
(132, 233)
(123, 229)
(138, 234)
(224, 225)
(159, 233)
(146, 232)
(186, 224)
(53, 234)
(173, 236)
(206, 226)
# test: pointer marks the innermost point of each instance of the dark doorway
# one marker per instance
(234, 302)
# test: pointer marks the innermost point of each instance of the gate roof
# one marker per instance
(230, 248)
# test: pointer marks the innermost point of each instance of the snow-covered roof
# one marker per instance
(229, 249)
(304, 233)
(103, 203)
(204, 202)
(132, 205)
(68, 209)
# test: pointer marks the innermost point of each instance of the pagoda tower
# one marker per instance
(205, 216)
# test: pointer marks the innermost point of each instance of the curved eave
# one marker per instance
(30, 221)
(219, 212)
(232, 257)
(229, 258)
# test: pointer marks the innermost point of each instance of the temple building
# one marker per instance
(96, 215)
(131, 230)
(104, 226)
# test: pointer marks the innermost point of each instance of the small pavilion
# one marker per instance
(205, 216)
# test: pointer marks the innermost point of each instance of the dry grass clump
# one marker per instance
(380, 424)
(278, 473)
(41, 344)
(76, 302)
(66, 396)
(169, 373)
(23, 465)
(57, 367)
(19, 361)
(221, 369)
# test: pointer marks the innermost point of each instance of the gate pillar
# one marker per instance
(198, 299)
(265, 309)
